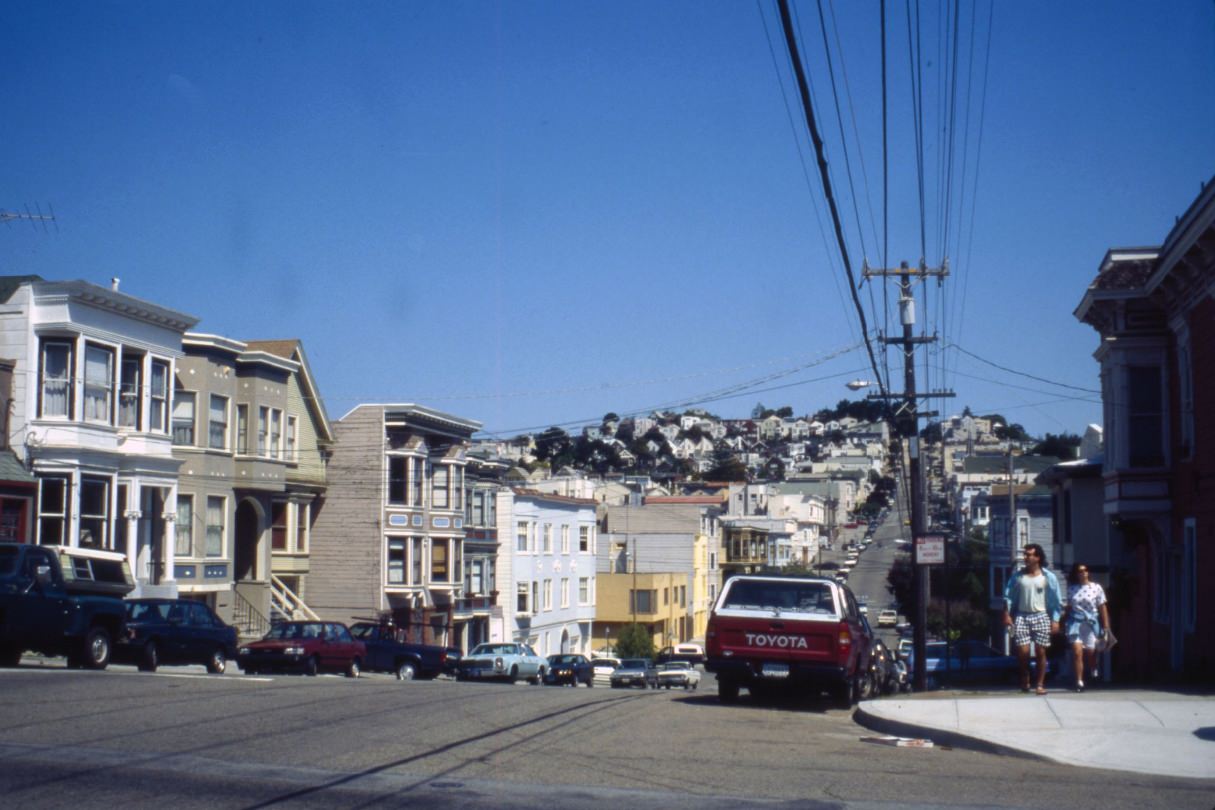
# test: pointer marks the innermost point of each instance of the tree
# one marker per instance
(1063, 446)
(785, 412)
(635, 642)
(729, 468)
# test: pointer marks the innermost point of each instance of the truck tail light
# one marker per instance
(845, 637)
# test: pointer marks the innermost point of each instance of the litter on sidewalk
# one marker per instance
(899, 742)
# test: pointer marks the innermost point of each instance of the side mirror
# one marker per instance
(42, 575)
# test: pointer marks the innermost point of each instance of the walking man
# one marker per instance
(1032, 607)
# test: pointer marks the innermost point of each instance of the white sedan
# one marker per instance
(508, 662)
(678, 673)
(604, 667)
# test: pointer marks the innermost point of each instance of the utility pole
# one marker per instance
(908, 417)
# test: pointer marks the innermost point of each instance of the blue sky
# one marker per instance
(535, 213)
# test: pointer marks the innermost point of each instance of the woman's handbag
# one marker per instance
(1106, 641)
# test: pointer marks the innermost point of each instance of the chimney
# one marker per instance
(114, 283)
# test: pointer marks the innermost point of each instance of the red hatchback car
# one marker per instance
(307, 647)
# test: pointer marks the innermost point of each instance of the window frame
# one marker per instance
(46, 515)
(130, 391)
(399, 543)
(242, 429)
(187, 521)
(64, 382)
(180, 397)
(159, 401)
(220, 528)
(217, 441)
(90, 386)
(99, 521)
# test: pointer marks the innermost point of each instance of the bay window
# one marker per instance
(52, 510)
(55, 379)
(98, 384)
(183, 418)
(216, 514)
(159, 397)
(130, 391)
(396, 561)
(94, 512)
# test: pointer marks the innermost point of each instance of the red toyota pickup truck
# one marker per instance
(795, 633)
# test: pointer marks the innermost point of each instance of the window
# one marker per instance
(52, 511)
(584, 538)
(548, 594)
(565, 539)
(129, 391)
(415, 551)
(183, 418)
(416, 482)
(535, 603)
(666, 596)
(584, 590)
(185, 523)
(438, 559)
(278, 526)
(1145, 417)
(217, 422)
(276, 433)
(215, 526)
(1185, 383)
(98, 384)
(473, 577)
(242, 429)
(521, 598)
(521, 536)
(1189, 575)
(396, 561)
(642, 601)
(548, 538)
(94, 512)
(565, 592)
(396, 479)
(440, 475)
(291, 438)
(159, 393)
(303, 520)
(263, 424)
(56, 388)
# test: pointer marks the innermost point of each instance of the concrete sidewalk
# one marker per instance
(1154, 732)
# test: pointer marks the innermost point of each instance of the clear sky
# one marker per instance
(535, 213)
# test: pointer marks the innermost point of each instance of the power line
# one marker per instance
(1020, 373)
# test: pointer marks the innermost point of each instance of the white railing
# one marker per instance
(285, 601)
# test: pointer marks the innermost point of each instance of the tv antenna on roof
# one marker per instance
(34, 219)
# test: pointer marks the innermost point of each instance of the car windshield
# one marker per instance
(564, 659)
(294, 630)
(606, 662)
(675, 665)
(495, 649)
(792, 596)
(635, 663)
(146, 611)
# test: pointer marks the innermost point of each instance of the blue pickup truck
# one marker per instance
(57, 600)
(388, 652)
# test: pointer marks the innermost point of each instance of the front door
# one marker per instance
(248, 534)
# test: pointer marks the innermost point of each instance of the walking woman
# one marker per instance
(1087, 619)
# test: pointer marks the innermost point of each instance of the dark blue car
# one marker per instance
(569, 669)
(174, 631)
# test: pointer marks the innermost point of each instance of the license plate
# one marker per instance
(775, 670)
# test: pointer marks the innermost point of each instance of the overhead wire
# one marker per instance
(807, 106)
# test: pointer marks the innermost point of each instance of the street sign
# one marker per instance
(930, 549)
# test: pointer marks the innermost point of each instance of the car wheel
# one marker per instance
(353, 669)
(868, 687)
(727, 690)
(150, 659)
(312, 666)
(217, 664)
(406, 672)
(590, 684)
(842, 695)
(96, 653)
(539, 677)
(514, 673)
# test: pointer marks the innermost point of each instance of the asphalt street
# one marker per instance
(184, 739)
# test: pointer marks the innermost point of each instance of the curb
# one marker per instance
(953, 739)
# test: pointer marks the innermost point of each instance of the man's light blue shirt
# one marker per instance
(1054, 600)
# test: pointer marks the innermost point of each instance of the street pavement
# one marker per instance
(1136, 730)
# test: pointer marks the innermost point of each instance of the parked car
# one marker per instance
(174, 631)
(691, 653)
(387, 651)
(885, 673)
(792, 633)
(678, 673)
(307, 647)
(451, 664)
(888, 618)
(604, 666)
(635, 672)
(567, 668)
(502, 662)
(57, 600)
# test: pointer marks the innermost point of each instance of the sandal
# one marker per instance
(1041, 690)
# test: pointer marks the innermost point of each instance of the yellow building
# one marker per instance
(658, 602)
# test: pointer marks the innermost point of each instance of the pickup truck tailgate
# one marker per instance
(777, 638)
